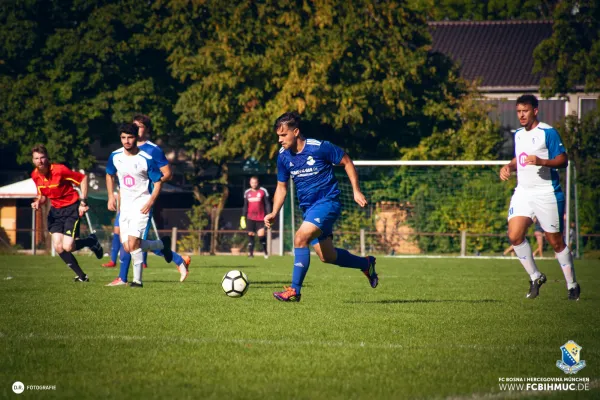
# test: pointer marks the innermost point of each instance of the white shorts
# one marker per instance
(132, 222)
(548, 208)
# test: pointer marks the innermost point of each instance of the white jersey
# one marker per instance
(542, 141)
(135, 174)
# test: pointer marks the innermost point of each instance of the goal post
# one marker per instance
(426, 209)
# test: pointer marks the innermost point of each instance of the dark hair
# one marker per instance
(40, 148)
(130, 129)
(528, 99)
(145, 120)
(290, 119)
(254, 177)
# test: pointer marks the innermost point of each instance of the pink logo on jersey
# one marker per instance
(128, 180)
(522, 158)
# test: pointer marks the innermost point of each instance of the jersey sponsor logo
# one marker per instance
(128, 180)
(522, 159)
(533, 140)
(310, 160)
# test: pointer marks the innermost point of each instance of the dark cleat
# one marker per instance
(97, 248)
(370, 272)
(574, 293)
(534, 287)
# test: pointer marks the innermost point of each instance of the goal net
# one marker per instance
(422, 208)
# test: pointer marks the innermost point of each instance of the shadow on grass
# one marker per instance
(424, 301)
(238, 267)
(271, 284)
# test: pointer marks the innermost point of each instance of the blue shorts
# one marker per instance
(323, 214)
(117, 219)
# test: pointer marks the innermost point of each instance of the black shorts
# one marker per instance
(254, 226)
(64, 220)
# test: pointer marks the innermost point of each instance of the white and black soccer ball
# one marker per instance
(235, 283)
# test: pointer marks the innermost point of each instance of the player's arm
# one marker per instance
(348, 165)
(560, 161)
(507, 169)
(166, 172)
(278, 199)
(110, 188)
(244, 212)
(83, 186)
(39, 200)
(155, 192)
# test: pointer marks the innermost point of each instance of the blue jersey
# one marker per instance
(156, 152)
(312, 171)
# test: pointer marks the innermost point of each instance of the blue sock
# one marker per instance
(349, 260)
(177, 259)
(125, 261)
(114, 249)
(301, 264)
(146, 257)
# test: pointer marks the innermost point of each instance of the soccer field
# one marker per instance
(433, 329)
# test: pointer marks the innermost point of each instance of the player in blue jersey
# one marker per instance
(182, 263)
(309, 163)
(538, 153)
(135, 170)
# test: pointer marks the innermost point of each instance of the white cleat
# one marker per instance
(117, 282)
(183, 268)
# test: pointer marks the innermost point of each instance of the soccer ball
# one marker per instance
(235, 283)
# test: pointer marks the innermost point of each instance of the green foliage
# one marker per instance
(571, 57)
(359, 72)
(71, 70)
(581, 141)
(492, 10)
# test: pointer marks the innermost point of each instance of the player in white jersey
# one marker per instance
(135, 169)
(538, 153)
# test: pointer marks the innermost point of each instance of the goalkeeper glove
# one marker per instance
(243, 222)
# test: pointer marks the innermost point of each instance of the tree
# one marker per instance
(70, 71)
(490, 10)
(570, 58)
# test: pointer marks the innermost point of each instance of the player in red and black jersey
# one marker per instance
(256, 206)
(55, 182)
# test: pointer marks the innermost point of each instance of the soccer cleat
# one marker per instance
(80, 279)
(109, 264)
(370, 272)
(117, 282)
(97, 248)
(289, 294)
(266, 256)
(534, 287)
(167, 252)
(574, 293)
(250, 255)
(183, 268)
(144, 265)
(135, 284)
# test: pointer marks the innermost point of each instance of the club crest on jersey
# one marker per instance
(310, 160)
(291, 164)
(533, 140)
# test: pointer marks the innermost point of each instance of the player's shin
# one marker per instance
(349, 260)
(263, 243)
(72, 263)
(114, 249)
(151, 245)
(301, 264)
(251, 245)
(125, 259)
(565, 259)
(138, 260)
(525, 255)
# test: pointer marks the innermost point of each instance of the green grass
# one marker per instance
(434, 328)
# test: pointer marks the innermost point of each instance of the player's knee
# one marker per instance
(301, 241)
(68, 247)
(58, 247)
(515, 238)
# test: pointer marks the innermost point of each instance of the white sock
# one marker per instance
(151, 245)
(565, 259)
(523, 251)
(137, 256)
